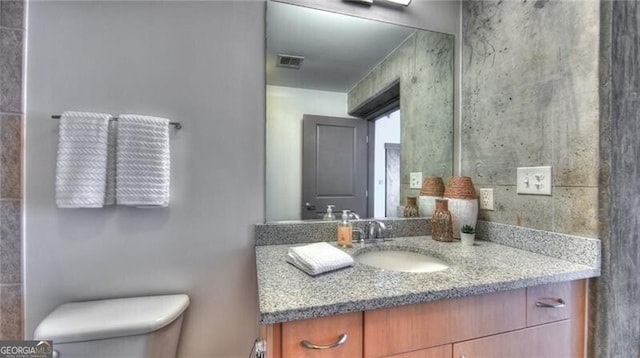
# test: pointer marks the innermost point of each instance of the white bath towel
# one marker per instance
(317, 258)
(82, 160)
(110, 190)
(142, 161)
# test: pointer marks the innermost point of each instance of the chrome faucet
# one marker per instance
(375, 231)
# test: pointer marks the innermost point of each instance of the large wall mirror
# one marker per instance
(353, 107)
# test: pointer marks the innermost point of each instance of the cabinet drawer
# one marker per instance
(408, 328)
(436, 352)
(549, 340)
(325, 332)
(553, 302)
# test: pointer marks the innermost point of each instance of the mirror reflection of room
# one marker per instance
(348, 79)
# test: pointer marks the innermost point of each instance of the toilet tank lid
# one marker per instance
(119, 317)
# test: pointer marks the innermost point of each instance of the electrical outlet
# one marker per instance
(486, 199)
(260, 348)
(415, 180)
(534, 180)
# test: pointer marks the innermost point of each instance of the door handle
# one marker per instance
(309, 206)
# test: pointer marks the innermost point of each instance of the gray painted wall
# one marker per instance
(530, 98)
(200, 63)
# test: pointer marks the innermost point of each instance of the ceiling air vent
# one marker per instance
(290, 61)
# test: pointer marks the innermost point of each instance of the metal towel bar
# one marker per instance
(177, 125)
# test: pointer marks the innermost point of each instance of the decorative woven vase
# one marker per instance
(411, 207)
(441, 224)
(432, 189)
(463, 202)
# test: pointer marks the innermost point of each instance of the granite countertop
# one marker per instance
(288, 294)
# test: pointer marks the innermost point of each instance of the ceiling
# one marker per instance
(338, 50)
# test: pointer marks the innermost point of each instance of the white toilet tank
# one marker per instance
(135, 327)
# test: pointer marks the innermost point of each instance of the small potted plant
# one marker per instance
(467, 235)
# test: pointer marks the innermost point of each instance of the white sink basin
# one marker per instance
(400, 260)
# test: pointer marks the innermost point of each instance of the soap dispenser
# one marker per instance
(328, 216)
(345, 230)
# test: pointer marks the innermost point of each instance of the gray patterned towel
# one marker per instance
(110, 193)
(81, 166)
(142, 161)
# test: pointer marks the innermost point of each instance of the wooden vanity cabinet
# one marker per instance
(549, 340)
(408, 328)
(434, 352)
(541, 321)
(325, 332)
(553, 295)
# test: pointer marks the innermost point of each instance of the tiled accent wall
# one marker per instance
(530, 98)
(12, 34)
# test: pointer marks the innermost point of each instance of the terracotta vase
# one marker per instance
(441, 223)
(411, 207)
(463, 202)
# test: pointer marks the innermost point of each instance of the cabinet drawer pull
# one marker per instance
(341, 340)
(550, 302)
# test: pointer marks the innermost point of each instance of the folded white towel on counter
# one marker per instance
(317, 258)
(81, 164)
(143, 161)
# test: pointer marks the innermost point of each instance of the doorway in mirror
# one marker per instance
(386, 151)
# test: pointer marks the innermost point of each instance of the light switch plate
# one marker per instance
(415, 180)
(534, 180)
